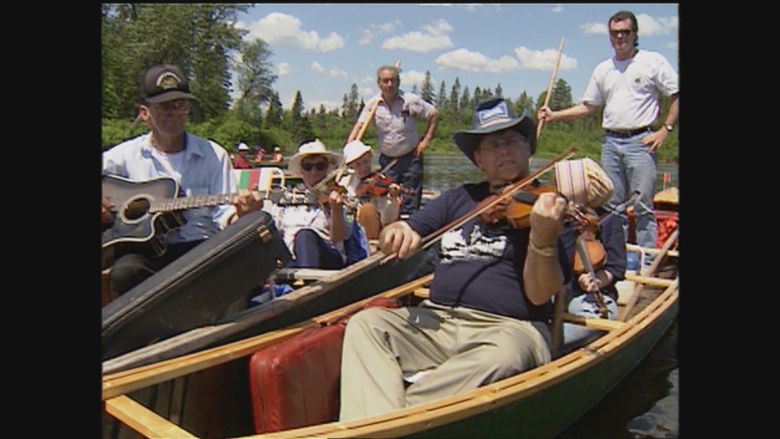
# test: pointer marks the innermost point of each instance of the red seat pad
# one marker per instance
(296, 383)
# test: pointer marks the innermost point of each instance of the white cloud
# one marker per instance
(557, 8)
(434, 36)
(543, 59)
(285, 68)
(649, 26)
(475, 62)
(412, 77)
(375, 30)
(320, 71)
(594, 28)
(284, 30)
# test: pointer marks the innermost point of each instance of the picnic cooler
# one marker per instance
(195, 289)
(296, 383)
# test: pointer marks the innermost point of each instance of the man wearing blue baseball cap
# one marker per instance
(486, 317)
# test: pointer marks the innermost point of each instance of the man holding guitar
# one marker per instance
(198, 167)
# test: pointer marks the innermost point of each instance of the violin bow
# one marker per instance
(435, 236)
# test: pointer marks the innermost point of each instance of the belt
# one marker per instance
(627, 133)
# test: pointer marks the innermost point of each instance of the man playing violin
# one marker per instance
(486, 317)
(378, 201)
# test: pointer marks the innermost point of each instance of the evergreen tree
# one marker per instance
(442, 101)
(427, 89)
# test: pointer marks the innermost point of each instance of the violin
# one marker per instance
(378, 184)
(597, 256)
(516, 210)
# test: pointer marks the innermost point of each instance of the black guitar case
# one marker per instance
(195, 289)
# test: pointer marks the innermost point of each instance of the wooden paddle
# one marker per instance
(648, 273)
(550, 85)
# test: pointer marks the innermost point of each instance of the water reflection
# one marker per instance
(445, 171)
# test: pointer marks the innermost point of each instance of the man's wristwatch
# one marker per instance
(668, 127)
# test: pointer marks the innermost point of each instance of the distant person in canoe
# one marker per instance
(394, 116)
(198, 166)
(277, 156)
(486, 317)
(629, 83)
(314, 232)
(378, 197)
(241, 161)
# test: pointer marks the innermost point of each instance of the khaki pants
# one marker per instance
(458, 349)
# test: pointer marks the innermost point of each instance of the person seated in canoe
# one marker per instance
(314, 231)
(378, 198)
(199, 166)
(277, 156)
(489, 304)
(592, 292)
(241, 161)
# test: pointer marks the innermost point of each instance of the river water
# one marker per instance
(646, 403)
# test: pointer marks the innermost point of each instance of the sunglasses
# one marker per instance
(321, 166)
(623, 32)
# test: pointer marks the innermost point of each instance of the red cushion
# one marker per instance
(296, 383)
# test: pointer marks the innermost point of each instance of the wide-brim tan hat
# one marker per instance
(315, 147)
(584, 182)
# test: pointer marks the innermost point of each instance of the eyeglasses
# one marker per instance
(623, 32)
(493, 146)
(173, 107)
(321, 166)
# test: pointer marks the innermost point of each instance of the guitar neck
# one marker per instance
(173, 204)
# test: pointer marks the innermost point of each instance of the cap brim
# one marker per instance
(170, 96)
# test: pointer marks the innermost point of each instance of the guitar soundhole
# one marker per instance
(137, 208)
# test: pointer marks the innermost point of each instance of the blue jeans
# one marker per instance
(586, 306)
(408, 172)
(631, 168)
(311, 251)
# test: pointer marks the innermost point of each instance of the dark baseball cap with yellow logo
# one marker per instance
(164, 83)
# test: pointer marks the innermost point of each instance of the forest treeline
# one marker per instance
(202, 40)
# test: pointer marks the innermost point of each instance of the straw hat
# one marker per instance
(311, 148)
(583, 182)
(354, 150)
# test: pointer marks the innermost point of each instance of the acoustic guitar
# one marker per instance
(146, 211)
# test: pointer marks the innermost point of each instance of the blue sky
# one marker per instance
(322, 49)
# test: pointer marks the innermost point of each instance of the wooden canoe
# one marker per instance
(205, 394)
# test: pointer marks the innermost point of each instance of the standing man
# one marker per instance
(199, 166)
(396, 132)
(629, 83)
(490, 297)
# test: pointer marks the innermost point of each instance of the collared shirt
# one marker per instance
(630, 88)
(395, 127)
(202, 168)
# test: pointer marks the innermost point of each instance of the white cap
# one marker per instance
(354, 150)
(242, 147)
